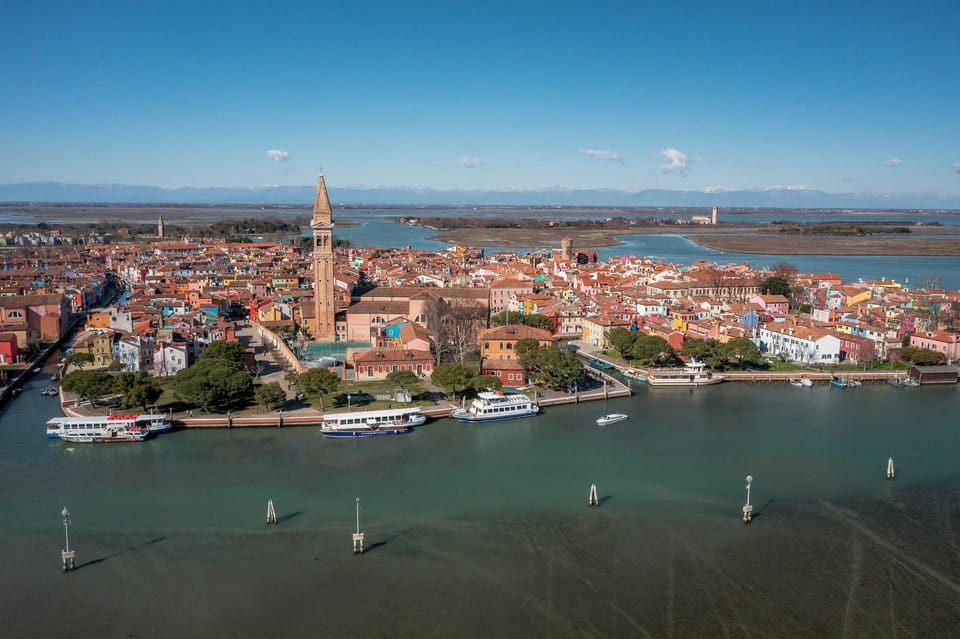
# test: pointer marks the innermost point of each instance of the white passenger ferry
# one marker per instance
(491, 407)
(372, 423)
(117, 432)
(151, 424)
(693, 374)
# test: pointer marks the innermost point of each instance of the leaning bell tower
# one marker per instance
(323, 297)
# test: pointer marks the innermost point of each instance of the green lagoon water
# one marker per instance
(484, 530)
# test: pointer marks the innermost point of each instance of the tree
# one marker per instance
(506, 317)
(922, 356)
(484, 382)
(270, 396)
(78, 359)
(88, 384)
(622, 340)
(214, 383)
(452, 376)
(142, 394)
(455, 327)
(123, 382)
(652, 350)
(403, 379)
(784, 268)
(230, 351)
(536, 320)
(525, 345)
(699, 349)
(319, 381)
(741, 349)
(776, 285)
(552, 367)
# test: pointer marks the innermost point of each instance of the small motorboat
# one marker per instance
(796, 383)
(612, 418)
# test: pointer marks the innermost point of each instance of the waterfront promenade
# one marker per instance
(612, 388)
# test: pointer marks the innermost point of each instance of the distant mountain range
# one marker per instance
(777, 197)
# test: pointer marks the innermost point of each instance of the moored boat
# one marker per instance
(599, 363)
(152, 424)
(904, 382)
(372, 423)
(113, 434)
(845, 382)
(491, 407)
(692, 374)
(612, 418)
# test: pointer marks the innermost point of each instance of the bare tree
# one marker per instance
(455, 327)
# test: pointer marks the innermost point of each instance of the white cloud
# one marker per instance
(789, 187)
(956, 167)
(277, 154)
(676, 161)
(893, 163)
(468, 161)
(613, 156)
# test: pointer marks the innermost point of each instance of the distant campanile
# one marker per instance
(324, 305)
(160, 227)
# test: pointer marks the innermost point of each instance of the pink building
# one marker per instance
(776, 305)
(947, 344)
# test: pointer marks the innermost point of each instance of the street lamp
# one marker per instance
(358, 536)
(747, 508)
(67, 556)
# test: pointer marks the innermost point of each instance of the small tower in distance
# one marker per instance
(713, 218)
(566, 249)
(160, 227)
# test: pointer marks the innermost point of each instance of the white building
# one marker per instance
(799, 343)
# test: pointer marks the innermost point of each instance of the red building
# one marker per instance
(856, 350)
(9, 351)
(377, 363)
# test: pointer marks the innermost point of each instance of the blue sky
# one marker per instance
(837, 96)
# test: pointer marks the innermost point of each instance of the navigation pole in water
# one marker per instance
(67, 556)
(747, 508)
(891, 473)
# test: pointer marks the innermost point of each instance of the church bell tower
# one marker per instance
(323, 296)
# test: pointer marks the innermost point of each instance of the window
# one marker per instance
(369, 371)
(395, 368)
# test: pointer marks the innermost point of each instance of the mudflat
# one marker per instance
(758, 239)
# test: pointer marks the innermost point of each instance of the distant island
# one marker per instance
(853, 233)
